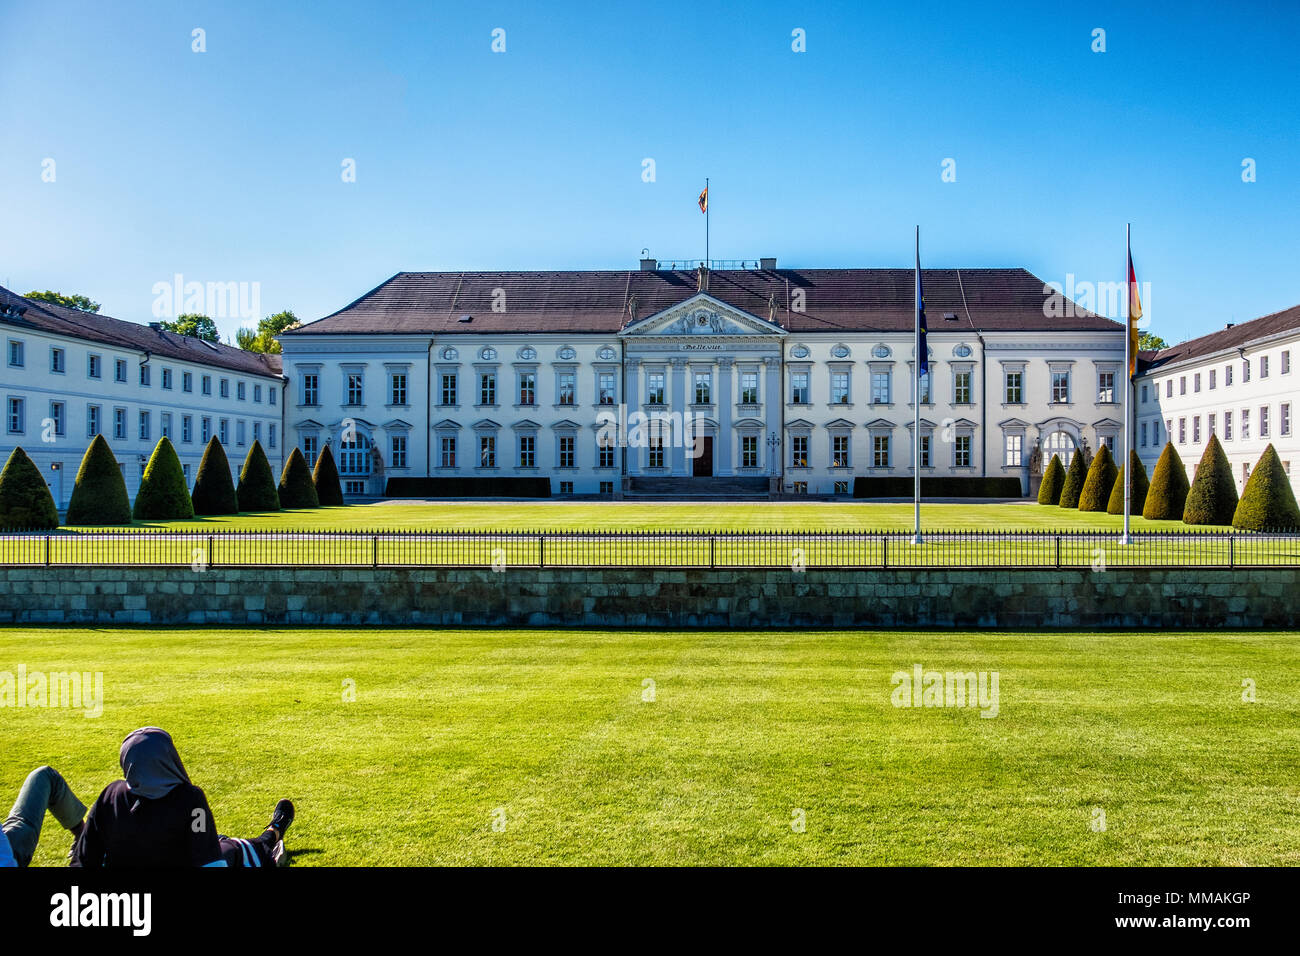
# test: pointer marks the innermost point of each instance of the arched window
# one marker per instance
(354, 456)
(1059, 443)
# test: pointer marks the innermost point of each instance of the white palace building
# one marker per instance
(793, 381)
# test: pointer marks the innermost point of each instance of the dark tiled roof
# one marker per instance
(93, 327)
(1238, 335)
(847, 300)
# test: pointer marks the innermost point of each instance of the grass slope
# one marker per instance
(449, 726)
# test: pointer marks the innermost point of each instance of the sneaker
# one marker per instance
(282, 818)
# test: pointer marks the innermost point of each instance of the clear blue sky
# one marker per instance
(225, 165)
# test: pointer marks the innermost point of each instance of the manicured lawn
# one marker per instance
(550, 729)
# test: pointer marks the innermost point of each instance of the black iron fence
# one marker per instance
(1096, 550)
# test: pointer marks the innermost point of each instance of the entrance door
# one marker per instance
(703, 467)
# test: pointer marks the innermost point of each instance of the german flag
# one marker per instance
(704, 200)
(1134, 313)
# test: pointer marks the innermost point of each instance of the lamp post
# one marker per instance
(773, 458)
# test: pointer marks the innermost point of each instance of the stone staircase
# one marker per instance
(736, 487)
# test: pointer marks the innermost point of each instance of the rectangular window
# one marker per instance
(925, 388)
(205, 385)
(1061, 387)
(961, 394)
(1263, 366)
(270, 434)
(568, 454)
(223, 388)
(749, 388)
(270, 394)
(925, 451)
(840, 451)
(119, 370)
(167, 378)
(1182, 385)
(397, 388)
(356, 388)
(527, 451)
(239, 432)
(447, 445)
(185, 470)
(1286, 362)
(1144, 394)
(1196, 382)
(187, 428)
(223, 431)
(606, 389)
(1196, 430)
(1105, 387)
(607, 487)
(1212, 423)
(16, 420)
(566, 388)
(841, 487)
(144, 426)
(15, 354)
(799, 388)
(187, 381)
(1284, 419)
(449, 382)
(880, 451)
(119, 424)
(205, 432)
(799, 451)
(656, 452)
(1143, 440)
(748, 451)
(961, 451)
(528, 389)
(487, 451)
(605, 456)
(1015, 388)
(1263, 419)
(487, 388)
(398, 457)
(93, 366)
(1227, 375)
(703, 388)
(1013, 448)
(839, 388)
(655, 388)
(1245, 371)
(257, 392)
(1245, 424)
(310, 388)
(1227, 426)
(1214, 378)
(566, 487)
(309, 449)
(92, 421)
(165, 425)
(880, 388)
(240, 392)
(58, 359)
(1182, 431)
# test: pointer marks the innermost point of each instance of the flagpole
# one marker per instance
(916, 404)
(1128, 376)
(707, 204)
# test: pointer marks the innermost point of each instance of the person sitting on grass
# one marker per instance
(44, 789)
(156, 818)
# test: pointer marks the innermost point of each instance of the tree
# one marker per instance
(25, 500)
(296, 489)
(1213, 496)
(1137, 496)
(162, 495)
(262, 339)
(1149, 341)
(81, 302)
(256, 491)
(1099, 482)
(1268, 503)
(1074, 480)
(1049, 492)
(1167, 495)
(329, 490)
(214, 489)
(99, 496)
(194, 325)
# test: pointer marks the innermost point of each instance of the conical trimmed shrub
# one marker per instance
(1268, 502)
(162, 495)
(1074, 479)
(1167, 495)
(1213, 496)
(296, 489)
(1137, 496)
(99, 497)
(256, 491)
(325, 476)
(214, 489)
(25, 499)
(1101, 479)
(1049, 492)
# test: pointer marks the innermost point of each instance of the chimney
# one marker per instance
(1229, 325)
(649, 265)
(768, 263)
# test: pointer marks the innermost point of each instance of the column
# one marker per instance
(679, 407)
(632, 402)
(723, 396)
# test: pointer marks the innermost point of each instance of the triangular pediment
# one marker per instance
(1107, 423)
(397, 424)
(840, 423)
(446, 424)
(1013, 423)
(799, 423)
(309, 423)
(880, 423)
(355, 421)
(702, 316)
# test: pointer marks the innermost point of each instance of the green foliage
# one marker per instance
(162, 495)
(256, 491)
(262, 338)
(81, 302)
(99, 496)
(214, 489)
(1049, 492)
(1149, 341)
(1268, 503)
(1213, 496)
(25, 499)
(1074, 480)
(329, 490)
(1167, 495)
(1099, 482)
(1137, 494)
(194, 325)
(296, 489)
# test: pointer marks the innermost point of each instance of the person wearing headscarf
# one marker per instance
(155, 817)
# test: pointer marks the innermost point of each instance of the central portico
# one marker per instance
(708, 363)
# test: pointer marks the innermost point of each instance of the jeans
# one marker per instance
(44, 789)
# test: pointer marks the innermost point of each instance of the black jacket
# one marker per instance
(123, 830)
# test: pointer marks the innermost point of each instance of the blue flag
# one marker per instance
(922, 350)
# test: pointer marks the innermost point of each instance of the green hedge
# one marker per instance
(936, 486)
(99, 497)
(256, 491)
(1049, 492)
(162, 495)
(325, 476)
(1074, 479)
(25, 500)
(1167, 495)
(1268, 503)
(214, 489)
(496, 487)
(1095, 495)
(296, 489)
(1213, 495)
(1137, 494)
